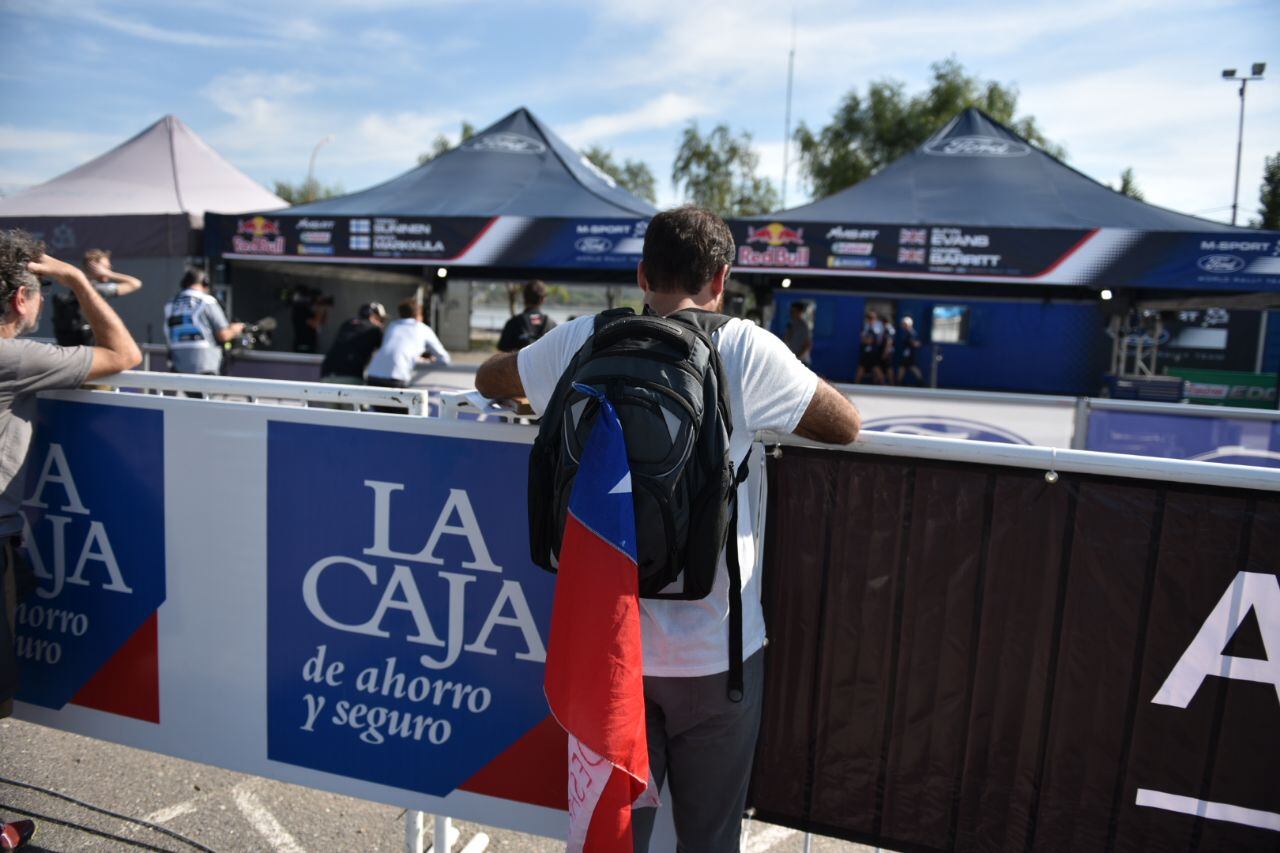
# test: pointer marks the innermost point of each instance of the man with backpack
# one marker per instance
(725, 380)
(530, 324)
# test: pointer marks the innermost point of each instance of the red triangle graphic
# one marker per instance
(129, 682)
(534, 769)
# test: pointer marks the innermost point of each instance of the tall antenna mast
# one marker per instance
(786, 138)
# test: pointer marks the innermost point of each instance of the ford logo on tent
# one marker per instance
(942, 426)
(976, 146)
(505, 143)
(593, 245)
(1221, 263)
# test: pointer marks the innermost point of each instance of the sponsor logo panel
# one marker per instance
(406, 629)
(977, 146)
(94, 537)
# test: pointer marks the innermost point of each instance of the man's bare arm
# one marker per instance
(125, 284)
(229, 332)
(115, 349)
(830, 418)
(499, 377)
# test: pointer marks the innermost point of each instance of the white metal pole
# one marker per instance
(443, 830)
(412, 832)
(1235, 196)
(786, 133)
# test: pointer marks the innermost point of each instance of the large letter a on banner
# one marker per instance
(1250, 590)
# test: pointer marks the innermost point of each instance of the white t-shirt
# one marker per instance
(402, 343)
(769, 389)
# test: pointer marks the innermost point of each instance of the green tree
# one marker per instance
(1129, 185)
(306, 191)
(632, 175)
(870, 131)
(441, 143)
(1269, 196)
(718, 171)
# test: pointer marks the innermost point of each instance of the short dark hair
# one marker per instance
(684, 248)
(799, 307)
(535, 293)
(17, 249)
(409, 308)
(193, 277)
(96, 255)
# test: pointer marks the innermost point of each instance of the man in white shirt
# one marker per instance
(703, 740)
(196, 327)
(405, 342)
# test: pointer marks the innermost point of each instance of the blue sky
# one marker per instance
(1118, 82)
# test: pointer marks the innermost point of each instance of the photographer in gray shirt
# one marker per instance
(27, 367)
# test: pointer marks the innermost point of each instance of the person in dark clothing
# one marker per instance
(358, 339)
(906, 347)
(530, 324)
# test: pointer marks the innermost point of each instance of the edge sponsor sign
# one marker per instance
(502, 241)
(1079, 257)
(94, 535)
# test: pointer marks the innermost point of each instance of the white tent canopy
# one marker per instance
(166, 168)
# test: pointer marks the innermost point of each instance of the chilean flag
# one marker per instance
(594, 674)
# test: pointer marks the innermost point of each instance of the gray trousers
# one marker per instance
(703, 745)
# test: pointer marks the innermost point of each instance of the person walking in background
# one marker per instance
(406, 343)
(530, 324)
(27, 367)
(70, 328)
(906, 347)
(799, 334)
(196, 327)
(353, 347)
(870, 349)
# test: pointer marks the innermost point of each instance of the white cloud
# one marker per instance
(401, 137)
(661, 112)
(62, 10)
(13, 138)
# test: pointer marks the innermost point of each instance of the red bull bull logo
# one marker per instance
(258, 235)
(776, 234)
(776, 237)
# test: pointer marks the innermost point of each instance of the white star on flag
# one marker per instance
(623, 487)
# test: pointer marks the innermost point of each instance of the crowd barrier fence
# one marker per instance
(974, 646)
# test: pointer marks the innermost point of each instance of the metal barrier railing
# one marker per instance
(413, 401)
(1049, 459)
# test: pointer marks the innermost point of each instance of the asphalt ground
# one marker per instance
(92, 795)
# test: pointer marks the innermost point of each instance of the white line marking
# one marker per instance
(265, 822)
(1205, 808)
(166, 815)
(767, 838)
(478, 843)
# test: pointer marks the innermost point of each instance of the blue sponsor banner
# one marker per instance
(94, 510)
(406, 624)
(1236, 441)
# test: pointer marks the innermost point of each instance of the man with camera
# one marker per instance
(27, 367)
(700, 737)
(196, 327)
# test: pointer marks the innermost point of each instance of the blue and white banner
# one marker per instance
(1236, 441)
(95, 537)
(406, 623)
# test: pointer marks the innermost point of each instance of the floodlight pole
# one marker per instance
(786, 132)
(1229, 75)
(311, 167)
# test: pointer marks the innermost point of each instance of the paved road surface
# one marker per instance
(223, 811)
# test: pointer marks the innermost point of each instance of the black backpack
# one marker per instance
(664, 377)
(70, 328)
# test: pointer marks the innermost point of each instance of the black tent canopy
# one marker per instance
(515, 196)
(978, 203)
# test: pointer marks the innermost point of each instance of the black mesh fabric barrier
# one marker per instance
(967, 657)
